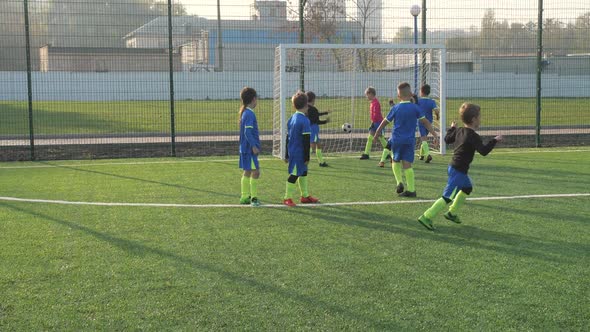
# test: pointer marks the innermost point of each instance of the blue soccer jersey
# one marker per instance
(249, 136)
(404, 116)
(297, 126)
(427, 105)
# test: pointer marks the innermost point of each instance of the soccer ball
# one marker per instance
(347, 128)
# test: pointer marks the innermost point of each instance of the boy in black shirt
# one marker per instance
(313, 114)
(467, 141)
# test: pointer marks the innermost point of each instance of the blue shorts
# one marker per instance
(248, 161)
(423, 131)
(315, 133)
(403, 151)
(457, 181)
(374, 126)
(297, 167)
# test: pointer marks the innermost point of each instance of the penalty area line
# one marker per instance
(173, 205)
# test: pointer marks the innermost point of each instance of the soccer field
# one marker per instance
(51, 118)
(160, 244)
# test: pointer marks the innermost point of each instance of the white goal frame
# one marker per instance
(280, 84)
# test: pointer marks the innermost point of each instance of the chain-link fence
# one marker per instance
(136, 78)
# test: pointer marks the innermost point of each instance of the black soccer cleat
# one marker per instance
(364, 156)
(408, 194)
(428, 159)
(400, 188)
(421, 157)
(324, 164)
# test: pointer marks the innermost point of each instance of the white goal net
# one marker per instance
(339, 74)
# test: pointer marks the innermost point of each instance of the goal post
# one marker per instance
(339, 74)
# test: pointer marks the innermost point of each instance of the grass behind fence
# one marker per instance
(51, 118)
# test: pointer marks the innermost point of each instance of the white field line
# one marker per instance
(172, 205)
(182, 161)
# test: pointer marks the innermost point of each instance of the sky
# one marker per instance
(442, 14)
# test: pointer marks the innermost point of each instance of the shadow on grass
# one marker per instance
(143, 180)
(459, 235)
(138, 248)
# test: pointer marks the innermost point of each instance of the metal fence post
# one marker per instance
(301, 41)
(539, 68)
(171, 60)
(423, 67)
(29, 83)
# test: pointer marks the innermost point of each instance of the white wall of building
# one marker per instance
(122, 86)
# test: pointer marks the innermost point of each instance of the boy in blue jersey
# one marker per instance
(467, 141)
(403, 139)
(298, 144)
(428, 106)
(249, 147)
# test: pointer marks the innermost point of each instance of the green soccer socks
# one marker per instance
(397, 172)
(253, 187)
(369, 144)
(384, 155)
(245, 188)
(457, 202)
(410, 179)
(424, 149)
(435, 209)
(318, 153)
(290, 190)
(303, 186)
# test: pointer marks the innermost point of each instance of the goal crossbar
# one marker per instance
(284, 87)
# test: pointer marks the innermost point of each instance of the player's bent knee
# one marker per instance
(256, 174)
(448, 200)
(467, 191)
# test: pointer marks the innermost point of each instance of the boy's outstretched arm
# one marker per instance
(378, 131)
(484, 150)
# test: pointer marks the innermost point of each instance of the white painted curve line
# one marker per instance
(173, 205)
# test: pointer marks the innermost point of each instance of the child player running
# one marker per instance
(428, 106)
(313, 114)
(298, 146)
(403, 138)
(249, 147)
(467, 141)
(376, 119)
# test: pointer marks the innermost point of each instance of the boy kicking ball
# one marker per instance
(467, 141)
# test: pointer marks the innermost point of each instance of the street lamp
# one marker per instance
(415, 11)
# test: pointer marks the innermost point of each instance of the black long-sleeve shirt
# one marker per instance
(467, 141)
(313, 114)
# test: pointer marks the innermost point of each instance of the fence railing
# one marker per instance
(129, 78)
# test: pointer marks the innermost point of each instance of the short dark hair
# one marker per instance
(299, 100)
(405, 89)
(310, 96)
(425, 89)
(371, 90)
(468, 112)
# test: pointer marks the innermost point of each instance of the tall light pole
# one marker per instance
(415, 11)
(219, 39)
